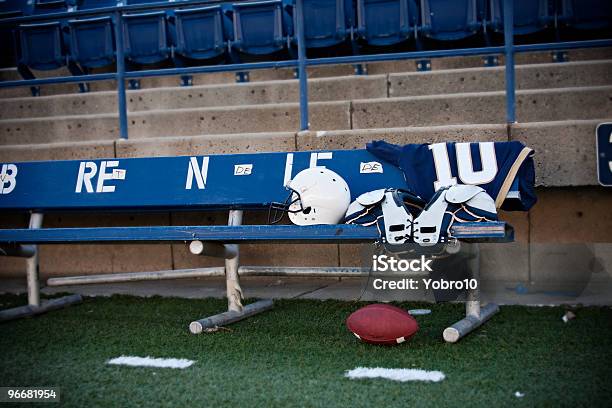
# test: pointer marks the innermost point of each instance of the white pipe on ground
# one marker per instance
(214, 249)
(304, 272)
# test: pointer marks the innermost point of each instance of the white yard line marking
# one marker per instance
(151, 362)
(395, 374)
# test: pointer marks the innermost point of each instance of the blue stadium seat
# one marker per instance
(92, 42)
(199, 32)
(41, 46)
(13, 8)
(130, 2)
(386, 22)
(10, 9)
(94, 4)
(258, 27)
(145, 37)
(529, 16)
(586, 14)
(449, 19)
(49, 6)
(327, 22)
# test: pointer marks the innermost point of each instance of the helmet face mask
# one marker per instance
(277, 210)
(317, 196)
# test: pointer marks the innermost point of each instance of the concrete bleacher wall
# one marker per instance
(558, 108)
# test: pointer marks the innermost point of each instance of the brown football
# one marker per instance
(382, 324)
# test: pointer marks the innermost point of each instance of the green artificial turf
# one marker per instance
(296, 355)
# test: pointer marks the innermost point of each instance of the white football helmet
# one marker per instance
(318, 196)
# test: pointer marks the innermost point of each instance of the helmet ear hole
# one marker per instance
(307, 210)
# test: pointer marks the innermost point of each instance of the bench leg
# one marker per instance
(34, 306)
(235, 310)
(32, 265)
(212, 323)
(47, 306)
(475, 315)
(234, 291)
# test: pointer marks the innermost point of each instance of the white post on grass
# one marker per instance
(36, 220)
(235, 310)
(475, 315)
(34, 306)
(234, 291)
(472, 304)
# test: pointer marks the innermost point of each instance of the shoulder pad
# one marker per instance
(460, 193)
(371, 197)
(354, 208)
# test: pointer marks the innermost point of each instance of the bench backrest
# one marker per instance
(240, 181)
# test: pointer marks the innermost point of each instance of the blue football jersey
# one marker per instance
(499, 168)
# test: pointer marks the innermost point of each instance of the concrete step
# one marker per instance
(565, 150)
(533, 76)
(540, 57)
(284, 74)
(97, 149)
(483, 107)
(248, 142)
(538, 76)
(177, 122)
(254, 93)
(9, 74)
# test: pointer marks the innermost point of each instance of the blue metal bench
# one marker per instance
(191, 183)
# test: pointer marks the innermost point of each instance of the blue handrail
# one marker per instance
(509, 52)
(509, 49)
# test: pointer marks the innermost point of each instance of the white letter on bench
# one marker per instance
(103, 176)
(86, 177)
(194, 170)
(315, 157)
(8, 178)
(288, 168)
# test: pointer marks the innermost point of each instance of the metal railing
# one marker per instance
(302, 62)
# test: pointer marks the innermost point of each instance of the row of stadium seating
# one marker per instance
(266, 27)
